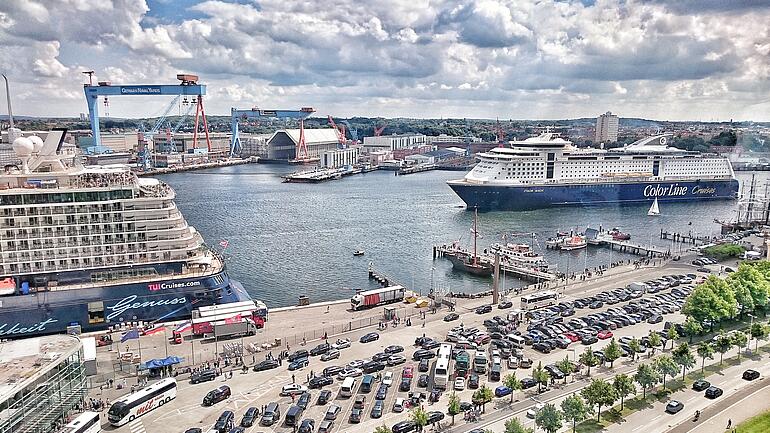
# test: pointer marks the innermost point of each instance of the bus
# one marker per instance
(132, 406)
(538, 300)
(441, 369)
(86, 422)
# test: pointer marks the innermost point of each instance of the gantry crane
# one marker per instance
(256, 113)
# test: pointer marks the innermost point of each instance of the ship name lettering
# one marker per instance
(128, 303)
(703, 190)
(17, 328)
(662, 191)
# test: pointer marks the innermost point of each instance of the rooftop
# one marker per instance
(25, 360)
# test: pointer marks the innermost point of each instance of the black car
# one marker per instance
(377, 409)
(382, 392)
(307, 426)
(320, 349)
(404, 427)
(589, 339)
(225, 422)
(674, 406)
(216, 395)
(267, 364)
(750, 374)
(372, 366)
(381, 356)
(483, 310)
(424, 365)
(394, 349)
(421, 354)
(713, 392)
(528, 382)
(433, 344)
(368, 338)
(473, 381)
(542, 347)
(203, 376)
(324, 397)
(434, 396)
(405, 385)
(332, 370)
(320, 382)
(505, 304)
(355, 416)
(554, 371)
(300, 354)
(451, 316)
(422, 381)
(700, 385)
(419, 340)
(193, 430)
(250, 417)
(304, 400)
(435, 416)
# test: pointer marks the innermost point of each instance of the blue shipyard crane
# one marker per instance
(256, 113)
(188, 87)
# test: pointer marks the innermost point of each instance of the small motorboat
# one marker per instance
(358, 253)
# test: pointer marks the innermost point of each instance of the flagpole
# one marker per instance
(165, 339)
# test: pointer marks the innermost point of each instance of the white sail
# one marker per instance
(654, 210)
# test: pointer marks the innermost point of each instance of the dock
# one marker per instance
(419, 168)
(524, 273)
(191, 167)
(382, 278)
(683, 238)
(318, 175)
(630, 248)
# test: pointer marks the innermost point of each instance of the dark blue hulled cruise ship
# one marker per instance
(96, 246)
(547, 171)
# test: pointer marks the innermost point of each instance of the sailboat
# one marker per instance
(465, 262)
(654, 209)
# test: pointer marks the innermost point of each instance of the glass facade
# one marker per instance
(43, 405)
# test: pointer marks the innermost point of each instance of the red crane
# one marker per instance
(340, 132)
(378, 130)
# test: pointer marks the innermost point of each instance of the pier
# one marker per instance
(628, 247)
(522, 272)
(191, 167)
(419, 168)
(688, 238)
(382, 278)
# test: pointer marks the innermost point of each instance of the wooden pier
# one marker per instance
(688, 238)
(381, 278)
(521, 272)
(629, 248)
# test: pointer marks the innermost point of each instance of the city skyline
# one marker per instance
(695, 60)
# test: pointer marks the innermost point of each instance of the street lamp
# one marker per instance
(748, 342)
(432, 270)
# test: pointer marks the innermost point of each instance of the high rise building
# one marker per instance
(606, 128)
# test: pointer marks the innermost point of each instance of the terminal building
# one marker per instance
(282, 145)
(42, 381)
(338, 158)
(394, 142)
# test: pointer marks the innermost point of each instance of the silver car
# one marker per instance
(332, 354)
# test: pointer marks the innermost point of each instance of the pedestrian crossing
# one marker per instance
(136, 426)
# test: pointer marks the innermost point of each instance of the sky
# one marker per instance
(701, 60)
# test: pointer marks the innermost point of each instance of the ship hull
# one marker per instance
(97, 308)
(501, 197)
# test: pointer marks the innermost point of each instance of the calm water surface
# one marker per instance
(287, 240)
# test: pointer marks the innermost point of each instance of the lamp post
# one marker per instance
(748, 342)
(432, 270)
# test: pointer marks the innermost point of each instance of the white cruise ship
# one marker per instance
(545, 171)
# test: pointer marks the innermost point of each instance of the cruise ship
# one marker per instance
(547, 170)
(87, 247)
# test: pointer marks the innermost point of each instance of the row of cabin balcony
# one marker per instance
(118, 241)
(74, 211)
(66, 236)
(7, 223)
(98, 262)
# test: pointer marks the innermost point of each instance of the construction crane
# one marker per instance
(255, 113)
(378, 130)
(340, 132)
(353, 131)
(188, 87)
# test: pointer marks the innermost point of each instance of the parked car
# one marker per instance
(326, 426)
(332, 412)
(267, 364)
(250, 417)
(713, 392)
(324, 397)
(674, 406)
(502, 391)
(750, 375)
(482, 310)
(700, 385)
(307, 426)
(341, 343)
(377, 409)
(451, 316)
(367, 338)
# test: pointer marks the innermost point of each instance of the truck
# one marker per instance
(462, 364)
(205, 318)
(372, 298)
(480, 363)
(231, 330)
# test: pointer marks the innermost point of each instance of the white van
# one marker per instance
(516, 340)
(348, 385)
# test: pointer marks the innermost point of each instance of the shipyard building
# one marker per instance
(282, 145)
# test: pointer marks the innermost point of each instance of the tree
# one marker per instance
(599, 393)
(654, 340)
(683, 356)
(739, 340)
(588, 359)
(482, 396)
(540, 375)
(723, 343)
(382, 429)
(742, 295)
(636, 347)
(724, 251)
(672, 335)
(453, 406)
(566, 367)
(549, 418)
(512, 382)
(646, 376)
(753, 279)
(705, 350)
(728, 306)
(612, 352)
(692, 328)
(513, 425)
(666, 366)
(419, 416)
(575, 409)
(759, 331)
(624, 386)
(702, 305)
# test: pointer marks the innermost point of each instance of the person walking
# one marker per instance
(292, 379)
(729, 423)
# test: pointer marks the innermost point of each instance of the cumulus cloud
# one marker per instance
(484, 58)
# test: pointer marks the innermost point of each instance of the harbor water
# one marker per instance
(285, 240)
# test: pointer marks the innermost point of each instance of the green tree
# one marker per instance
(692, 328)
(739, 340)
(636, 347)
(705, 350)
(672, 335)
(723, 343)
(512, 382)
(513, 425)
(724, 251)
(759, 331)
(683, 356)
(624, 386)
(453, 406)
(540, 375)
(588, 359)
(549, 418)
(566, 367)
(612, 352)
(728, 306)
(753, 279)
(742, 295)
(655, 341)
(666, 366)
(574, 409)
(646, 376)
(419, 416)
(382, 429)
(482, 396)
(702, 305)
(599, 393)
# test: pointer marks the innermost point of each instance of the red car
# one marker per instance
(408, 371)
(604, 334)
(572, 336)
